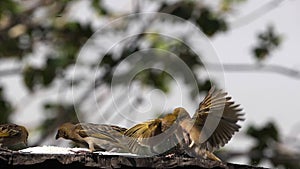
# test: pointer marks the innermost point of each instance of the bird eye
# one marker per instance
(65, 135)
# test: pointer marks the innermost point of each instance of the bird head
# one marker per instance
(181, 113)
(24, 134)
(63, 130)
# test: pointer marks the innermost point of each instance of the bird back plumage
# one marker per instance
(13, 136)
(95, 136)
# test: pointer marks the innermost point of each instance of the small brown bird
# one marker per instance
(156, 136)
(13, 136)
(99, 137)
(213, 124)
(211, 127)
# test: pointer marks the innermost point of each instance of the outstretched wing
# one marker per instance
(159, 135)
(141, 134)
(218, 108)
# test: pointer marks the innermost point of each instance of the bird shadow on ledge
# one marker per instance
(16, 160)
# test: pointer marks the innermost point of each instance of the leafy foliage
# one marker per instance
(268, 41)
(263, 137)
(268, 146)
(208, 21)
(5, 108)
(97, 5)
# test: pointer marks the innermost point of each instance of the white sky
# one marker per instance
(265, 96)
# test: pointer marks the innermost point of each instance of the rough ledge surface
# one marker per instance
(12, 159)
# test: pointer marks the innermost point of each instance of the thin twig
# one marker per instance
(10, 72)
(278, 69)
(227, 67)
(256, 14)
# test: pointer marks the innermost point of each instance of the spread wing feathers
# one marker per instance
(9, 130)
(139, 134)
(219, 108)
(109, 133)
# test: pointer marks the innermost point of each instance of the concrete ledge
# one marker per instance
(14, 159)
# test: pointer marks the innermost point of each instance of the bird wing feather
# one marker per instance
(213, 104)
(139, 134)
(100, 131)
(9, 130)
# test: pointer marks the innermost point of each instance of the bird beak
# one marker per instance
(26, 143)
(57, 136)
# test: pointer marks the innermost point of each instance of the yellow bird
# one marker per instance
(156, 136)
(99, 137)
(13, 136)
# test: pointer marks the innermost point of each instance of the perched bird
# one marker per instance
(100, 137)
(156, 136)
(13, 136)
(213, 124)
(211, 127)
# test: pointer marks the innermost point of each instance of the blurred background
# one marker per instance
(73, 61)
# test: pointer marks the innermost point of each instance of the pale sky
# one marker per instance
(265, 96)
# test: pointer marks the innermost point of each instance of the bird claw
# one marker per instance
(191, 145)
(170, 155)
(5, 149)
(81, 151)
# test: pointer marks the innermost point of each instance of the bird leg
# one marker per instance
(211, 156)
(192, 143)
(5, 149)
(80, 151)
(90, 143)
(170, 155)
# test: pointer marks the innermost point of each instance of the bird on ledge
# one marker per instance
(13, 137)
(211, 127)
(96, 137)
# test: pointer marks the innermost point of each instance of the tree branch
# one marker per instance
(239, 67)
(9, 72)
(277, 69)
(255, 14)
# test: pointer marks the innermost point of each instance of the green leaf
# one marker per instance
(261, 52)
(31, 77)
(5, 108)
(268, 41)
(183, 9)
(97, 5)
(211, 23)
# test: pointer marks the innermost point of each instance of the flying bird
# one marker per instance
(96, 137)
(211, 127)
(13, 136)
(213, 124)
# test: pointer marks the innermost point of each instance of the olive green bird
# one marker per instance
(156, 136)
(13, 136)
(96, 137)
